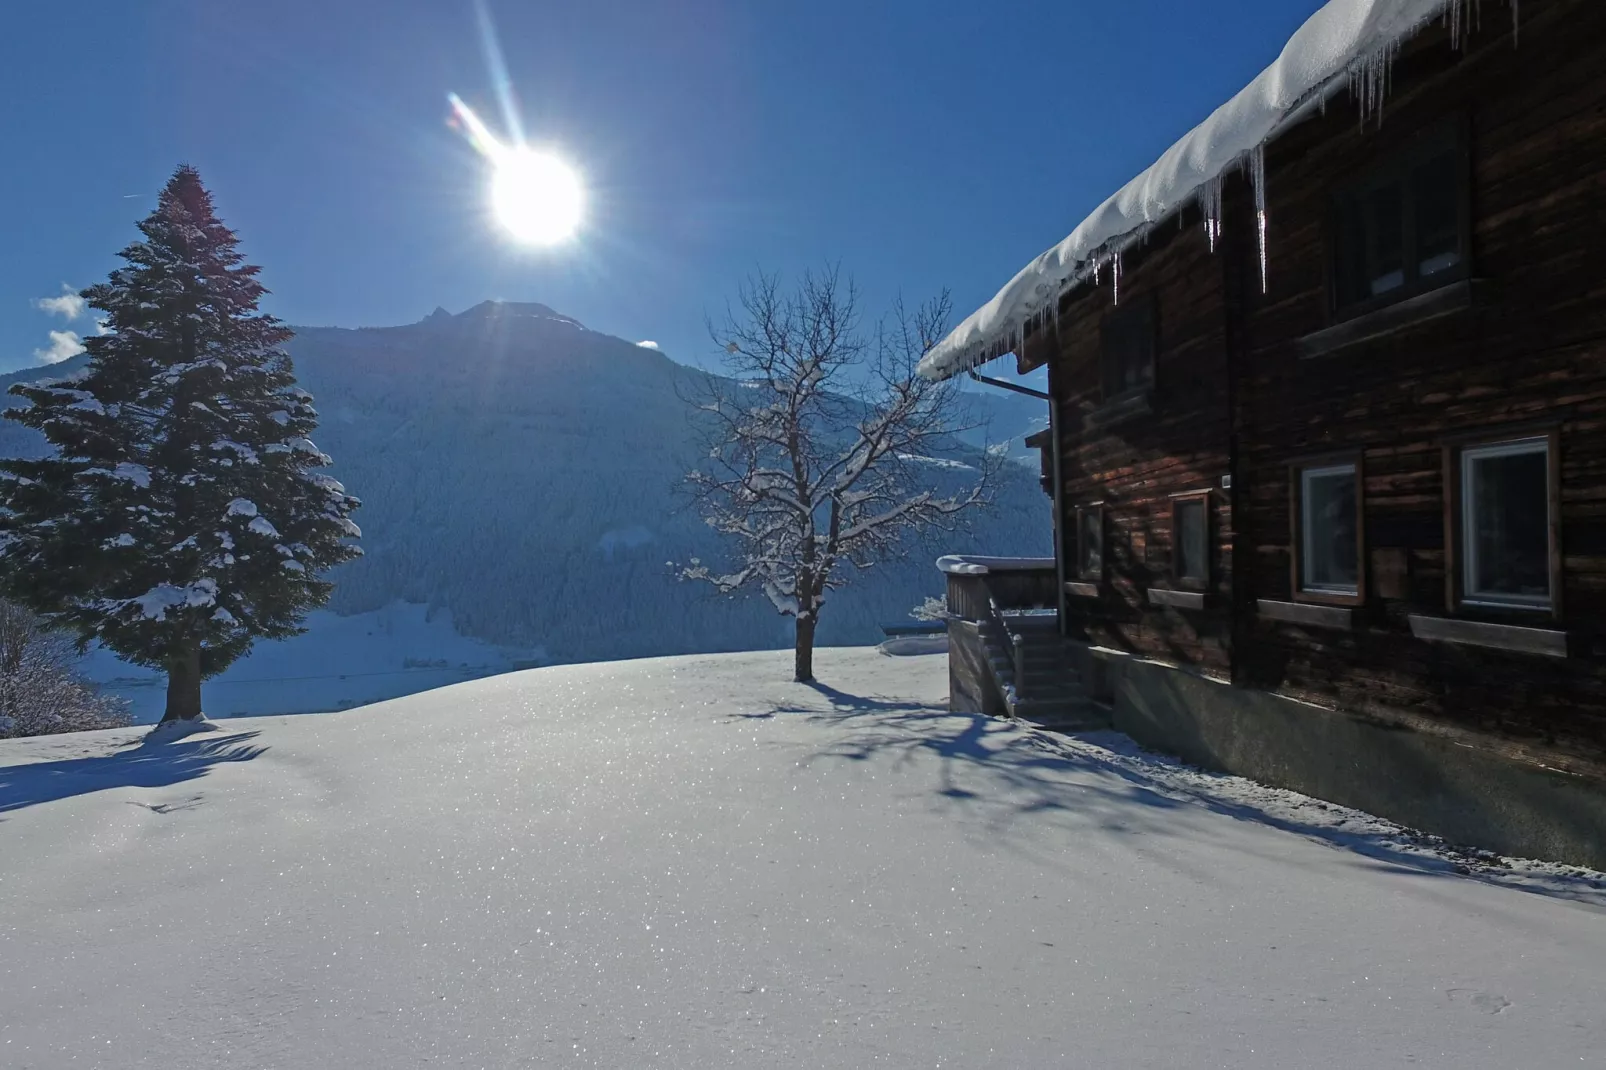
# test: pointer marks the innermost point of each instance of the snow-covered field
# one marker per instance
(691, 862)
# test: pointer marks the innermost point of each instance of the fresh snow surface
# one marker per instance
(1346, 40)
(974, 565)
(339, 663)
(692, 862)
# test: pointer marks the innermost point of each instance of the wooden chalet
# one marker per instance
(1329, 469)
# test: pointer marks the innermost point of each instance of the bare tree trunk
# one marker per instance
(805, 650)
(184, 682)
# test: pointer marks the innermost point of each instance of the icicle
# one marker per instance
(1115, 275)
(1516, 24)
(1257, 179)
(1369, 79)
(1210, 204)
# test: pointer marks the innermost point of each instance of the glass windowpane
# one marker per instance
(1437, 226)
(1506, 522)
(1129, 348)
(1352, 281)
(1329, 530)
(1385, 210)
(1092, 541)
(1193, 543)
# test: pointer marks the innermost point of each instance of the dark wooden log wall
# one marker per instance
(1134, 466)
(1533, 345)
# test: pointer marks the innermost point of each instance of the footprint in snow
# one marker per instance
(168, 807)
(1487, 1002)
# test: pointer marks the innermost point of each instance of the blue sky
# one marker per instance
(921, 144)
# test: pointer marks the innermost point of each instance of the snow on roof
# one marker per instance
(1347, 41)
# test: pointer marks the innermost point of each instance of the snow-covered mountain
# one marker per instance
(519, 471)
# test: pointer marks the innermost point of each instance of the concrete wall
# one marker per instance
(1443, 786)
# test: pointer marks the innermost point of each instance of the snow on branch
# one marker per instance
(819, 447)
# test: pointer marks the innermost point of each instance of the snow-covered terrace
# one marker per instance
(1347, 43)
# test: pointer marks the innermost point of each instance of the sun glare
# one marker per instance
(537, 196)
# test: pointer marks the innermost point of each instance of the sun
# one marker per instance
(537, 196)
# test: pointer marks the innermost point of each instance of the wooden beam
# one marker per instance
(1456, 297)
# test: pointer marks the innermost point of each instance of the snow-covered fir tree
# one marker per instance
(181, 518)
(824, 449)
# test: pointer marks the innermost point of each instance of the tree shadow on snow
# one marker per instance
(148, 765)
(998, 771)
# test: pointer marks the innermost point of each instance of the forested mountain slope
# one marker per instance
(521, 470)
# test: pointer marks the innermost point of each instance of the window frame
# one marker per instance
(1087, 576)
(1296, 528)
(1143, 307)
(1458, 555)
(1396, 167)
(1178, 581)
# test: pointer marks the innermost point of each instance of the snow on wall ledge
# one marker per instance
(1349, 41)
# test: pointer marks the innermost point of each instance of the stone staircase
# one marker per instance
(1049, 692)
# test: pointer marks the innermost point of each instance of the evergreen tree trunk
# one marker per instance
(805, 650)
(184, 682)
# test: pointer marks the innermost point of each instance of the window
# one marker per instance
(1327, 530)
(1190, 539)
(1506, 503)
(1089, 542)
(1401, 229)
(1128, 341)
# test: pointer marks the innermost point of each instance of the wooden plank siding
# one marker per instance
(1136, 465)
(1532, 347)
(1235, 394)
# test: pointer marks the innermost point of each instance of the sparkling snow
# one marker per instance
(691, 862)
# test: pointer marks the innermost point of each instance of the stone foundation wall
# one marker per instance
(1450, 787)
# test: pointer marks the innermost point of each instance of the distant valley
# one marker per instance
(518, 472)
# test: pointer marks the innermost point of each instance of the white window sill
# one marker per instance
(1543, 641)
(1307, 613)
(1177, 599)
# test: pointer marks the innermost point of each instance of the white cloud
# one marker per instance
(648, 344)
(68, 305)
(63, 344)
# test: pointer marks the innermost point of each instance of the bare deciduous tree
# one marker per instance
(824, 447)
(39, 693)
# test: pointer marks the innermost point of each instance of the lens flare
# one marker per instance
(536, 195)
